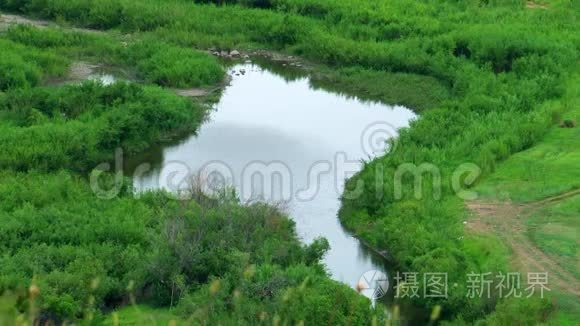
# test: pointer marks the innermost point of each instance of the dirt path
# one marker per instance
(533, 5)
(555, 199)
(7, 20)
(508, 221)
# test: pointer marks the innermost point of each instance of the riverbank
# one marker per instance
(78, 244)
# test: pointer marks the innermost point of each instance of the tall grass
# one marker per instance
(23, 66)
(214, 263)
(168, 65)
(151, 60)
(80, 126)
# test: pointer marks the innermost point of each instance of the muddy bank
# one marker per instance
(80, 71)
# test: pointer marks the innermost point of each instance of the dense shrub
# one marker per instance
(17, 73)
(167, 65)
(79, 126)
(22, 66)
(83, 252)
(268, 293)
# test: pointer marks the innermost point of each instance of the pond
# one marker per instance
(281, 140)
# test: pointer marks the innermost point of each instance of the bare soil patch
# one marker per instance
(533, 5)
(203, 91)
(82, 70)
(508, 221)
(7, 20)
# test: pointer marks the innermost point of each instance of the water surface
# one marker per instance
(264, 122)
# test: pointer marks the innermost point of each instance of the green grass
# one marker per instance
(143, 315)
(169, 65)
(215, 261)
(80, 126)
(73, 45)
(547, 169)
(555, 229)
(568, 310)
(25, 66)
(150, 59)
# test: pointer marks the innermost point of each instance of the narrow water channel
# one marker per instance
(305, 141)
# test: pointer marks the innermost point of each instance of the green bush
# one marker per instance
(168, 65)
(85, 253)
(23, 67)
(528, 311)
(80, 126)
(17, 73)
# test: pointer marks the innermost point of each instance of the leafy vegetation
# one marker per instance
(86, 254)
(68, 255)
(168, 65)
(148, 58)
(23, 66)
(545, 170)
(80, 126)
(498, 65)
(539, 173)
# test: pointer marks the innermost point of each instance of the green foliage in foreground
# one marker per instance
(221, 262)
(79, 126)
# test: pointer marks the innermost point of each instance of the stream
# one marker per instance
(278, 139)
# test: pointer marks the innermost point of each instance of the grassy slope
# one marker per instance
(555, 229)
(546, 170)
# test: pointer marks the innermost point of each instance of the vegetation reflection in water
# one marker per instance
(306, 140)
